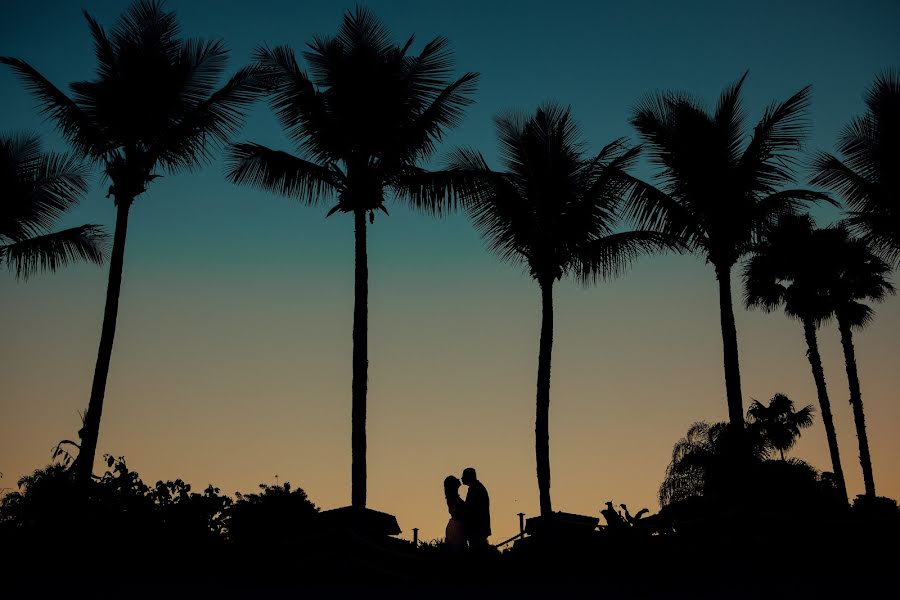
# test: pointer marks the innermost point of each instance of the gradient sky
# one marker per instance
(232, 355)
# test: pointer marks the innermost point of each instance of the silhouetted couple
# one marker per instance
(470, 519)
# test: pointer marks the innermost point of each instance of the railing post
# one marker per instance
(522, 524)
(416, 537)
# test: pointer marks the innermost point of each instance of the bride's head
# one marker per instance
(451, 486)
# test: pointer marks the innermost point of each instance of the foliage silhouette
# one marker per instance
(780, 423)
(717, 194)
(553, 209)
(36, 188)
(364, 116)
(276, 516)
(704, 466)
(855, 275)
(868, 177)
(152, 104)
(789, 269)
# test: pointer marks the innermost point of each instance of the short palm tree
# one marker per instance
(363, 117)
(779, 422)
(553, 210)
(855, 275)
(718, 192)
(154, 103)
(36, 188)
(787, 271)
(868, 177)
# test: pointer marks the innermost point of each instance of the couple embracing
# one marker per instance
(470, 519)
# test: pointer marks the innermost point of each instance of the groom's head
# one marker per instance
(468, 476)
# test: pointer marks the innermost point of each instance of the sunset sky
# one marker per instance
(232, 359)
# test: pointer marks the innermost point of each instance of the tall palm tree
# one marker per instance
(554, 210)
(153, 103)
(717, 191)
(363, 117)
(788, 271)
(855, 275)
(779, 422)
(36, 188)
(868, 177)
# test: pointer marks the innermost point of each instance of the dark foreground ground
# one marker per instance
(758, 556)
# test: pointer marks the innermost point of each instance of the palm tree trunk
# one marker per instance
(815, 361)
(360, 364)
(542, 418)
(730, 350)
(865, 460)
(90, 432)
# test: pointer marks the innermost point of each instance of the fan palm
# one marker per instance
(363, 117)
(855, 275)
(153, 103)
(36, 188)
(787, 270)
(717, 192)
(779, 422)
(868, 177)
(553, 210)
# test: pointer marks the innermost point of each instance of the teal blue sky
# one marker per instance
(232, 358)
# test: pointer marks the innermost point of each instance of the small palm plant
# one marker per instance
(779, 422)
(154, 103)
(36, 188)
(554, 210)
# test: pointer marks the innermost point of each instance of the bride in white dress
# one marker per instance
(456, 534)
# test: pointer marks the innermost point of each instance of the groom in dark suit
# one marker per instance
(477, 511)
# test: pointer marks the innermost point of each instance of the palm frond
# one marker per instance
(215, 119)
(54, 250)
(38, 186)
(609, 256)
(72, 122)
(282, 173)
(766, 163)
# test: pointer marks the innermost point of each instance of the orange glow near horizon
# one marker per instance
(227, 381)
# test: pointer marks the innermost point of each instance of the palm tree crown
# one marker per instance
(787, 270)
(554, 210)
(779, 422)
(363, 116)
(36, 188)
(869, 176)
(718, 193)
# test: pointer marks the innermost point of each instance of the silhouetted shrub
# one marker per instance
(278, 515)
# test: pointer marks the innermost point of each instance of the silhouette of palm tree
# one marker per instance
(364, 116)
(780, 423)
(788, 270)
(552, 210)
(719, 193)
(153, 103)
(36, 188)
(855, 275)
(869, 178)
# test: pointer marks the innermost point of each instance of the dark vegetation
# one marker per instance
(739, 515)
